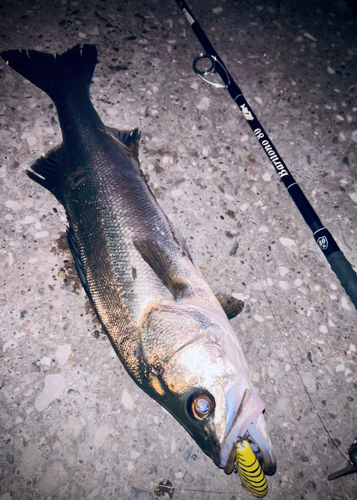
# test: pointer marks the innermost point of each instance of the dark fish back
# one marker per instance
(126, 252)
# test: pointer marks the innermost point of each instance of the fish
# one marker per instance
(167, 327)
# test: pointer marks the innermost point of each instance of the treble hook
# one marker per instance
(351, 467)
(212, 69)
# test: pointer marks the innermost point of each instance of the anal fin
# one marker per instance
(47, 172)
(128, 138)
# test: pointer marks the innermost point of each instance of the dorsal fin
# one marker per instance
(73, 246)
(48, 170)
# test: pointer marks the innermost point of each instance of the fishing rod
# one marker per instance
(208, 63)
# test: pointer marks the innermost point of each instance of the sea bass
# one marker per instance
(164, 322)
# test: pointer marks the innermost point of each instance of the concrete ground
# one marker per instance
(73, 424)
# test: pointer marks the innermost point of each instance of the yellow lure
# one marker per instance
(250, 470)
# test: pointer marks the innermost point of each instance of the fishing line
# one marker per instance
(209, 62)
(296, 368)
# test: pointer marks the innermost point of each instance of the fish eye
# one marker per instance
(202, 406)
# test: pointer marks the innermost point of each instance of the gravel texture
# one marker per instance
(73, 425)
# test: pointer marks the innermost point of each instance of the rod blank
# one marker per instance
(338, 262)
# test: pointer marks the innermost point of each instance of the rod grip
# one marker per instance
(345, 273)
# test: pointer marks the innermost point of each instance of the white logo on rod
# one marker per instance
(323, 242)
(246, 113)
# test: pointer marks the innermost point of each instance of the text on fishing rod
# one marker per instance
(273, 155)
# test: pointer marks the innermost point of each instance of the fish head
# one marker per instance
(200, 370)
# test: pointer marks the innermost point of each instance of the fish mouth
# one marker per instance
(248, 424)
(259, 439)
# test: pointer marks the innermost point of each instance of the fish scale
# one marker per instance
(166, 325)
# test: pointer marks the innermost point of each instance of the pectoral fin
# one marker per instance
(164, 265)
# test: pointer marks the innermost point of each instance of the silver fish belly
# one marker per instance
(163, 320)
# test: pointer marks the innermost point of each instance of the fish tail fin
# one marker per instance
(55, 74)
